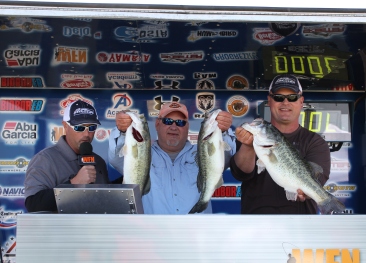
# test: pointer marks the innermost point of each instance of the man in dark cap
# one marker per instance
(59, 164)
(260, 194)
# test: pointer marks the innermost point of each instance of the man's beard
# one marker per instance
(172, 142)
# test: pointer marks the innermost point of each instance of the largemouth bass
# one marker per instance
(137, 153)
(210, 159)
(287, 168)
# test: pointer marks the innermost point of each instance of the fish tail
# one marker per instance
(331, 205)
(198, 207)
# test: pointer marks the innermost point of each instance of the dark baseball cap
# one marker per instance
(80, 112)
(285, 81)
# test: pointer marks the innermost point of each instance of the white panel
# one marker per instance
(189, 238)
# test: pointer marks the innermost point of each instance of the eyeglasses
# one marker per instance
(281, 98)
(81, 128)
(169, 121)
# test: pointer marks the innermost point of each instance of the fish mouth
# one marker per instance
(138, 137)
(208, 136)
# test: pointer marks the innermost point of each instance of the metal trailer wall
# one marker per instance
(211, 52)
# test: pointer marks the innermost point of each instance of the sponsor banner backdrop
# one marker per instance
(139, 65)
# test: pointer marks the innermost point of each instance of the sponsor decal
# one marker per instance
(339, 165)
(195, 23)
(204, 75)
(76, 81)
(8, 191)
(21, 82)
(172, 85)
(284, 29)
(70, 99)
(25, 24)
(8, 218)
(235, 56)
(102, 134)
(227, 191)
(266, 36)
(154, 106)
(237, 106)
(193, 137)
(205, 84)
(323, 30)
(77, 55)
(319, 255)
(81, 32)
(121, 80)
(121, 102)
(340, 190)
(170, 77)
(17, 132)
(145, 33)
(25, 105)
(237, 82)
(56, 133)
(206, 33)
(205, 102)
(9, 250)
(127, 57)
(22, 56)
(13, 166)
(172, 82)
(182, 57)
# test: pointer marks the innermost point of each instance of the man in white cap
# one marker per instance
(60, 164)
(260, 194)
(173, 170)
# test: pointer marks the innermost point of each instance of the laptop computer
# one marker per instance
(98, 199)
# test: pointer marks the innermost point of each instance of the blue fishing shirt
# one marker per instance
(173, 184)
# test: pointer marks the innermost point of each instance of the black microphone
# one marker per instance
(86, 156)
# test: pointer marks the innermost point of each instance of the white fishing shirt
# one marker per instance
(173, 184)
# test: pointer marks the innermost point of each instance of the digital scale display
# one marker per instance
(331, 120)
(312, 61)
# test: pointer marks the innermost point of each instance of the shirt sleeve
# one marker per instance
(116, 142)
(229, 138)
(237, 173)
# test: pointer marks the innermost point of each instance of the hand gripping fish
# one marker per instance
(137, 153)
(210, 159)
(287, 168)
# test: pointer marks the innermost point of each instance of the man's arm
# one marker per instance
(43, 201)
(244, 158)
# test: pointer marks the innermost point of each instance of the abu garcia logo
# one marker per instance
(23, 132)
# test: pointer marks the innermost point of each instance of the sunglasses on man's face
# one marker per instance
(169, 121)
(81, 128)
(281, 98)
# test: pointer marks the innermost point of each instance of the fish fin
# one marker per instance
(291, 196)
(147, 187)
(211, 149)
(123, 151)
(331, 205)
(198, 207)
(260, 165)
(226, 146)
(200, 182)
(317, 171)
(272, 157)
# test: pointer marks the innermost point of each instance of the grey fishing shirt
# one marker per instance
(54, 165)
(173, 184)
